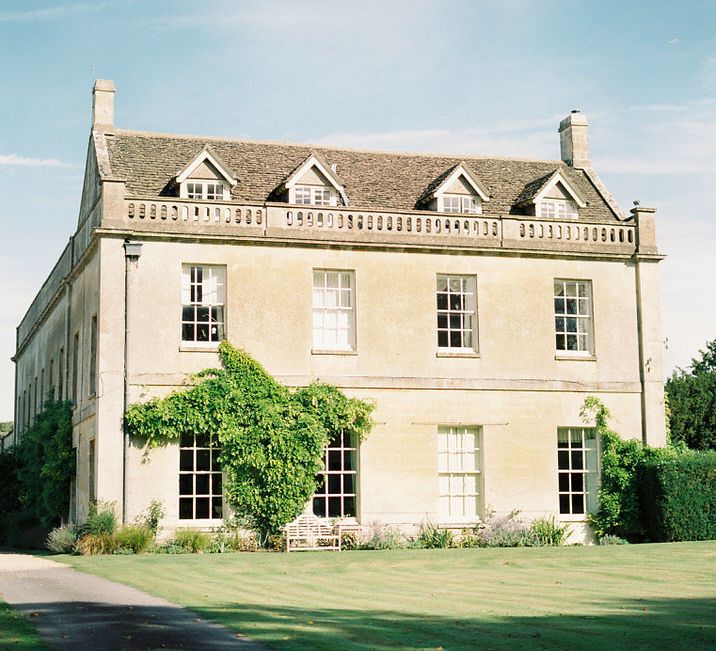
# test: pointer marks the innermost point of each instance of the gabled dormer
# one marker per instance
(314, 183)
(552, 197)
(456, 191)
(206, 178)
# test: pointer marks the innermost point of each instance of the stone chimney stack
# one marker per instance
(573, 140)
(103, 104)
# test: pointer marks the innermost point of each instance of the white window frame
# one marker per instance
(333, 311)
(460, 483)
(337, 482)
(209, 293)
(461, 204)
(204, 190)
(454, 318)
(573, 317)
(206, 447)
(313, 195)
(564, 209)
(578, 453)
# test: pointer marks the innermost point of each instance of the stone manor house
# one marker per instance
(477, 301)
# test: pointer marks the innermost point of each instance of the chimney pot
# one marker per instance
(573, 140)
(103, 104)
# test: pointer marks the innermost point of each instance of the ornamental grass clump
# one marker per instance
(136, 539)
(62, 539)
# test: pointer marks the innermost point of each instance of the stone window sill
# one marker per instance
(333, 352)
(465, 354)
(576, 358)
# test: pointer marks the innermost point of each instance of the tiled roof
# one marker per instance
(372, 180)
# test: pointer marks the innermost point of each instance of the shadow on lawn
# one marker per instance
(638, 624)
(648, 624)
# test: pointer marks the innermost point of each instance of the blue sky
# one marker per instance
(475, 77)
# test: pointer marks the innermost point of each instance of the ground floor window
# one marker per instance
(336, 489)
(199, 478)
(577, 459)
(459, 481)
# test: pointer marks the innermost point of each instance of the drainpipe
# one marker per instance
(132, 251)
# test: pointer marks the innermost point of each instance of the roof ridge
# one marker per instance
(462, 157)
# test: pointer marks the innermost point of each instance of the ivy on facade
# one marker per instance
(272, 437)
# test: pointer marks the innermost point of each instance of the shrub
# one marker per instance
(171, 547)
(546, 532)
(350, 540)
(431, 537)
(151, 516)
(192, 540)
(9, 490)
(134, 538)
(505, 531)
(678, 494)
(92, 544)
(386, 537)
(469, 538)
(608, 539)
(101, 519)
(46, 463)
(62, 539)
(233, 536)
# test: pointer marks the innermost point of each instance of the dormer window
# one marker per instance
(558, 209)
(206, 178)
(313, 183)
(457, 190)
(455, 203)
(316, 196)
(206, 190)
(552, 196)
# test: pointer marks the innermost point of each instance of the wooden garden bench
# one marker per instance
(307, 532)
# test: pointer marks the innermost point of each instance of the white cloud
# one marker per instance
(50, 12)
(13, 160)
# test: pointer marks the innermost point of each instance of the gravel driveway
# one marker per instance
(73, 610)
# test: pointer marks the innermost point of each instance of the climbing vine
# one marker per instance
(272, 437)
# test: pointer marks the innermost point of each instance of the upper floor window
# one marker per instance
(573, 316)
(461, 203)
(312, 195)
(203, 300)
(333, 310)
(457, 313)
(558, 209)
(206, 190)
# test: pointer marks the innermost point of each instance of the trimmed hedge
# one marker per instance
(678, 496)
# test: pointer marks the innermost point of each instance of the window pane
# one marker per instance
(202, 484)
(186, 508)
(186, 484)
(186, 460)
(202, 508)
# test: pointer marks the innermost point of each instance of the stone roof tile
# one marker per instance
(373, 180)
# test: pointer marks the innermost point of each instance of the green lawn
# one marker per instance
(621, 597)
(15, 632)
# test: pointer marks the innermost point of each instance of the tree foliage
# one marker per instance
(46, 463)
(272, 438)
(692, 402)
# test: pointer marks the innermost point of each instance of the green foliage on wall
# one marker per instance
(692, 402)
(679, 496)
(46, 463)
(272, 438)
(618, 512)
(651, 494)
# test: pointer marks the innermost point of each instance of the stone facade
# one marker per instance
(106, 328)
